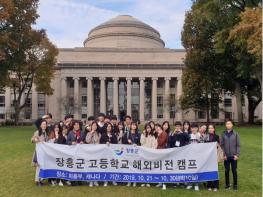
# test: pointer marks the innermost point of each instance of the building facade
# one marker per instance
(123, 68)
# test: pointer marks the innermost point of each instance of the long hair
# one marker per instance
(40, 131)
(107, 124)
(145, 128)
(213, 127)
(94, 122)
(120, 123)
(134, 123)
(168, 129)
(187, 122)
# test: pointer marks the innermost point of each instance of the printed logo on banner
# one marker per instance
(119, 152)
(130, 151)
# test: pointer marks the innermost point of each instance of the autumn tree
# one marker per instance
(27, 54)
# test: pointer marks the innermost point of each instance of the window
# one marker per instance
(159, 83)
(201, 114)
(84, 84)
(172, 83)
(2, 116)
(228, 115)
(228, 102)
(71, 83)
(83, 116)
(84, 101)
(2, 101)
(159, 106)
(172, 105)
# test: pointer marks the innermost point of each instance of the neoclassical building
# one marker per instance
(122, 68)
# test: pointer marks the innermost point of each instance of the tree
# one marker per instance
(200, 83)
(29, 56)
(249, 30)
(210, 49)
(231, 42)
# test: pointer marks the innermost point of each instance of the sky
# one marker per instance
(68, 22)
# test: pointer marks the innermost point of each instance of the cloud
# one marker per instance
(68, 22)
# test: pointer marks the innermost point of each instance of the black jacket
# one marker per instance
(182, 137)
(106, 138)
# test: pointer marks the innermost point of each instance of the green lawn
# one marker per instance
(17, 175)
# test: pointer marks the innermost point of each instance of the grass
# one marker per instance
(17, 175)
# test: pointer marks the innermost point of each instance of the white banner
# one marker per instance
(128, 163)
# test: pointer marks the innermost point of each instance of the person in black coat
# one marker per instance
(101, 123)
(108, 136)
(181, 138)
(213, 137)
(133, 136)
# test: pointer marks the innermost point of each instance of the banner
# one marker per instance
(128, 163)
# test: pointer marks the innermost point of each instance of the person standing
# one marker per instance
(194, 139)
(109, 138)
(213, 137)
(161, 144)
(39, 136)
(93, 137)
(148, 140)
(230, 144)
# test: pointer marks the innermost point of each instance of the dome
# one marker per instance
(124, 31)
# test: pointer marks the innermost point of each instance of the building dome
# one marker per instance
(124, 31)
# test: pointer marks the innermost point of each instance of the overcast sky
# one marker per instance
(68, 21)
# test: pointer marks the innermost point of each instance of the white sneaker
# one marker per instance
(105, 184)
(215, 190)
(53, 183)
(114, 183)
(159, 185)
(68, 183)
(209, 189)
(134, 184)
(60, 183)
(189, 187)
(164, 187)
(91, 184)
(96, 183)
(148, 185)
(196, 188)
(129, 184)
(142, 185)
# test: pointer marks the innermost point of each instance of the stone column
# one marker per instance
(76, 97)
(34, 101)
(166, 101)
(142, 90)
(8, 101)
(90, 97)
(154, 98)
(129, 80)
(63, 96)
(102, 94)
(179, 92)
(116, 96)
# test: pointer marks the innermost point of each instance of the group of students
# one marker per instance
(108, 130)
